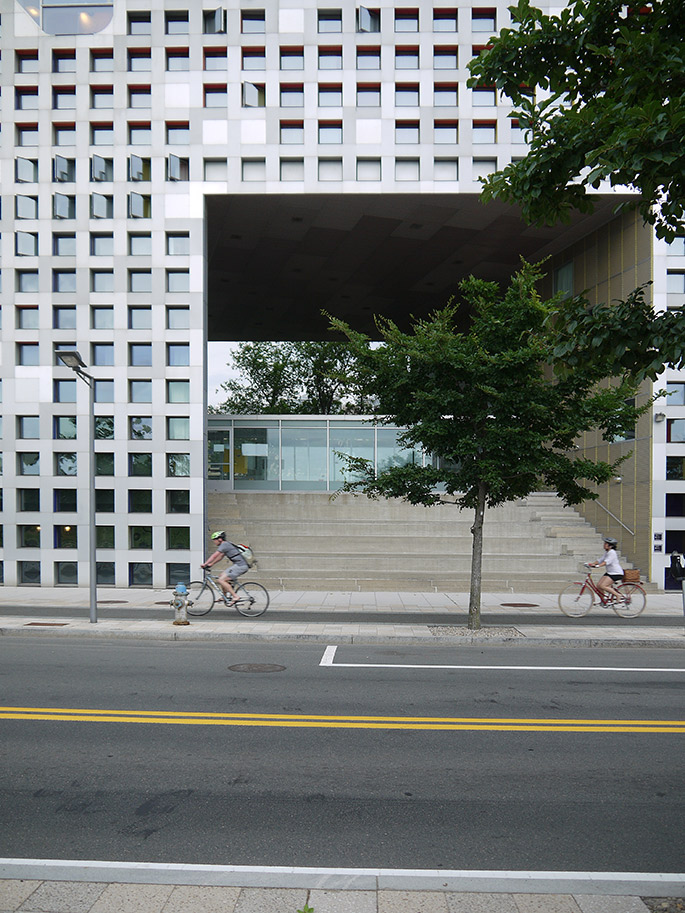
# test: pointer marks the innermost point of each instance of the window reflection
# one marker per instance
(69, 17)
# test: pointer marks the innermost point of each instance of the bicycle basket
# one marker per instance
(631, 575)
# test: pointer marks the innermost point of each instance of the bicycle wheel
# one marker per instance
(635, 600)
(253, 599)
(576, 600)
(202, 597)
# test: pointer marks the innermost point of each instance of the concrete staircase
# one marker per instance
(305, 541)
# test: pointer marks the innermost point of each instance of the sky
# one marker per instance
(218, 355)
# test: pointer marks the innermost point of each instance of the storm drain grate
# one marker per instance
(521, 605)
(46, 624)
(256, 667)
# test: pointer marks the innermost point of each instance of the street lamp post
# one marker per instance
(72, 359)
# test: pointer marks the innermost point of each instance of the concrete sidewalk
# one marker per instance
(167, 890)
(226, 624)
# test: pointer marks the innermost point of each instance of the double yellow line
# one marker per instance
(314, 721)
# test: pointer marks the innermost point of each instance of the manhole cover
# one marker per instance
(46, 624)
(112, 602)
(521, 605)
(256, 667)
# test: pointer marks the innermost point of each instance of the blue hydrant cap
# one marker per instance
(181, 588)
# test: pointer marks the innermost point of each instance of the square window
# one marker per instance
(330, 169)
(139, 60)
(140, 280)
(28, 427)
(28, 573)
(177, 571)
(178, 318)
(102, 280)
(368, 58)
(406, 58)
(102, 245)
(445, 20)
(66, 572)
(27, 134)
(140, 537)
(330, 132)
(368, 96)
(292, 96)
(178, 501)
(406, 96)
(368, 20)
(140, 391)
(140, 354)
(26, 244)
(177, 243)
(139, 206)
(483, 21)
(139, 97)
(27, 318)
(102, 318)
(28, 536)
(102, 353)
(254, 95)
(292, 132)
(104, 500)
(63, 206)
(64, 245)
(215, 96)
(101, 169)
(64, 134)
(292, 59)
(28, 499)
(213, 22)
(252, 22)
(140, 464)
(140, 245)
(292, 169)
(483, 167)
(65, 536)
(64, 281)
(104, 391)
(64, 61)
(26, 61)
(140, 428)
(407, 20)
(28, 353)
(484, 98)
(177, 168)
(26, 171)
(330, 96)
(139, 24)
(445, 58)
(406, 131)
(176, 22)
(445, 170)
(64, 428)
(329, 21)
(65, 464)
(139, 168)
(178, 280)
(178, 354)
(445, 95)
(28, 464)
(104, 536)
(139, 318)
(101, 206)
(104, 574)
(104, 464)
(177, 61)
(64, 391)
(140, 501)
(178, 464)
(101, 97)
(330, 58)
(139, 573)
(25, 207)
(64, 500)
(104, 427)
(446, 132)
(178, 537)
(484, 132)
(253, 169)
(101, 61)
(139, 134)
(63, 169)
(178, 428)
(253, 59)
(178, 391)
(215, 59)
(368, 169)
(178, 134)
(26, 280)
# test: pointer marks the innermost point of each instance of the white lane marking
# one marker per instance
(329, 655)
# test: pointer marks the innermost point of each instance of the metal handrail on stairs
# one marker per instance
(614, 517)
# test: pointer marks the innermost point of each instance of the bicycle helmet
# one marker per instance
(612, 542)
(219, 534)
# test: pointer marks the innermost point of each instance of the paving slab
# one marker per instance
(132, 898)
(201, 899)
(271, 900)
(63, 897)
(469, 902)
(343, 901)
(14, 891)
(594, 903)
(412, 902)
(546, 903)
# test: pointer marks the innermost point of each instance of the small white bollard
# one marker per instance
(180, 604)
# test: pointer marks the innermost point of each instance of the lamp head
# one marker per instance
(71, 358)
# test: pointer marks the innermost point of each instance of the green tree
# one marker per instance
(305, 377)
(474, 386)
(599, 90)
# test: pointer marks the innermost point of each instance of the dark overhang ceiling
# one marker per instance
(275, 261)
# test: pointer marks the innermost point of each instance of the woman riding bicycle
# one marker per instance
(613, 573)
(226, 549)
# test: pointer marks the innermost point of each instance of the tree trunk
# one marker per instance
(477, 561)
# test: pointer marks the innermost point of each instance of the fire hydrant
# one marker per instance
(180, 604)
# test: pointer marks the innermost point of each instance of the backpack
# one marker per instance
(247, 553)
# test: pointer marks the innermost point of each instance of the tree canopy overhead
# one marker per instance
(600, 92)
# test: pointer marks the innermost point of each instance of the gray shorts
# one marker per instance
(238, 567)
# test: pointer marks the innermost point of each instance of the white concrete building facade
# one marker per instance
(169, 172)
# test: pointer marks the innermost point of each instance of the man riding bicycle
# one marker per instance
(226, 549)
(613, 573)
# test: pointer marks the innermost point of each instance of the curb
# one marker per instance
(323, 637)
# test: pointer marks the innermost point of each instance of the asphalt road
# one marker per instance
(372, 760)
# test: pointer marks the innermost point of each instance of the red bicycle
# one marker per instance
(576, 599)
